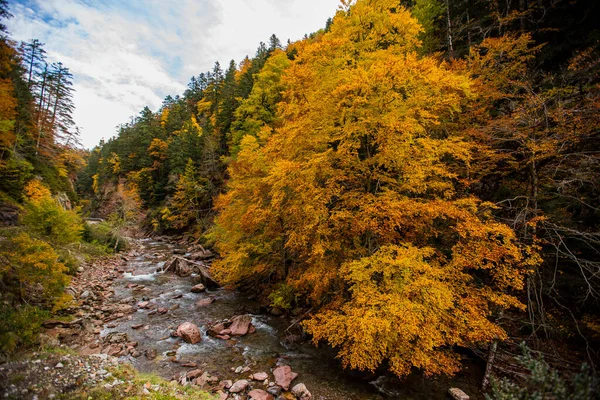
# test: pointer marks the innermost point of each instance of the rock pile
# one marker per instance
(257, 386)
(239, 325)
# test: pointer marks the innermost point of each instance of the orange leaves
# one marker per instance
(35, 191)
(355, 200)
(158, 149)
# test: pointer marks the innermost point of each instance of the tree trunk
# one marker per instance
(449, 33)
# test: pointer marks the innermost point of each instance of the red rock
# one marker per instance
(240, 325)
(205, 302)
(189, 365)
(138, 326)
(223, 337)
(194, 374)
(163, 310)
(251, 330)
(189, 332)
(216, 329)
(113, 350)
(284, 376)
(260, 376)
(239, 386)
(143, 304)
(226, 384)
(259, 394)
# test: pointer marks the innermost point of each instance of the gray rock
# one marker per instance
(199, 288)
(301, 392)
(275, 390)
(458, 394)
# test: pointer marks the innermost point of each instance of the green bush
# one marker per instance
(47, 219)
(283, 297)
(104, 234)
(15, 173)
(544, 382)
(19, 326)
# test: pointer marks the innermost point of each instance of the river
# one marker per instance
(317, 367)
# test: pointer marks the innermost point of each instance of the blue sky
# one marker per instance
(128, 54)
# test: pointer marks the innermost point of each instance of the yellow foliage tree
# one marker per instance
(358, 200)
(45, 217)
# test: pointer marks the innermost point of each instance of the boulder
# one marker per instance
(301, 392)
(240, 325)
(226, 384)
(113, 350)
(199, 288)
(239, 386)
(458, 394)
(193, 374)
(259, 394)
(189, 332)
(284, 376)
(143, 304)
(205, 302)
(216, 329)
(260, 376)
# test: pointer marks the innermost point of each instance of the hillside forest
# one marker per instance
(420, 177)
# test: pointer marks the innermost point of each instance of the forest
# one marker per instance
(422, 177)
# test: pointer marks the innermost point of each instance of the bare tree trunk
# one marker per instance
(40, 108)
(490, 364)
(449, 33)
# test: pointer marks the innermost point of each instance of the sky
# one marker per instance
(128, 54)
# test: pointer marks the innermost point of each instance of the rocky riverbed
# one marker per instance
(163, 316)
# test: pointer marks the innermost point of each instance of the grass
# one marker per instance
(156, 387)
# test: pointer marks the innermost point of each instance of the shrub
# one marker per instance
(31, 271)
(32, 280)
(104, 234)
(19, 325)
(46, 218)
(543, 382)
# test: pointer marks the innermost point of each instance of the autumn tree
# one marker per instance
(358, 201)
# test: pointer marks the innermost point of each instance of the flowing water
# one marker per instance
(317, 367)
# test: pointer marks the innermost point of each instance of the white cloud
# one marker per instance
(125, 55)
